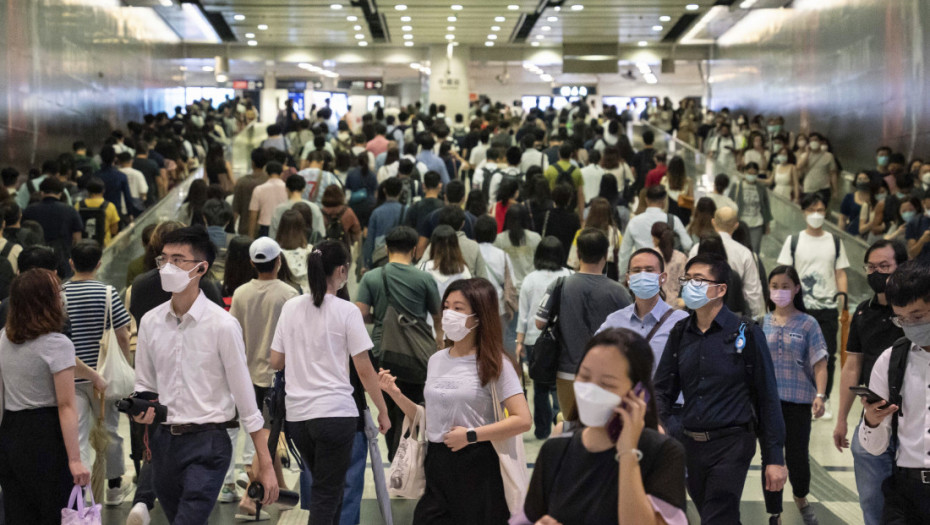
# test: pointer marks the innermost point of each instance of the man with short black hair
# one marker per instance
(204, 392)
(428, 157)
(265, 198)
(138, 186)
(454, 195)
(155, 178)
(245, 185)
(10, 178)
(418, 213)
(638, 232)
(100, 218)
(453, 216)
(587, 298)
(723, 367)
(644, 160)
(383, 219)
(870, 333)
(532, 156)
(116, 184)
(61, 223)
(899, 377)
(295, 187)
(565, 172)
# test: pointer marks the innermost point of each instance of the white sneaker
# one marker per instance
(139, 515)
(827, 413)
(115, 496)
(228, 494)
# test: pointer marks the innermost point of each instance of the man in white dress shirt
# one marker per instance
(191, 353)
(901, 376)
(639, 230)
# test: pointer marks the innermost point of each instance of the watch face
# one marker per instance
(471, 436)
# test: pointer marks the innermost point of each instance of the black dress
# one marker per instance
(577, 487)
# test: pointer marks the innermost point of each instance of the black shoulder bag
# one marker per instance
(544, 363)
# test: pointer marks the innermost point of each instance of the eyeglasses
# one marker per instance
(176, 260)
(696, 281)
(901, 322)
(883, 268)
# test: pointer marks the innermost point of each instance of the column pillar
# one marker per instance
(448, 83)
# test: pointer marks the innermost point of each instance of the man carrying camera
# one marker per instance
(901, 377)
(191, 354)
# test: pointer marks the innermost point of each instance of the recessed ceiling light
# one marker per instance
(357, 28)
(406, 28)
(352, 18)
(363, 43)
(408, 37)
(577, 7)
(250, 35)
(451, 19)
(405, 19)
(489, 44)
(513, 7)
(450, 37)
(539, 37)
(335, 6)
(665, 18)
(262, 27)
(692, 7)
(642, 43)
(415, 65)
(546, 28)
(557, 9)
(456, 7)
(499, 19)
(207, 68)
(495, 28)
(239, 17)
(450, 28)
(408, 43)
(552, 19)
(253, 43)
(400, 7)
(492, 37)
(534, 44)
(359, 36)
(657, 28)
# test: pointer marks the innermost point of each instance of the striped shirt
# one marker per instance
(87, 303)
(796, 347)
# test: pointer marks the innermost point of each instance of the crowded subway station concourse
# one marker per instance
(480, 263)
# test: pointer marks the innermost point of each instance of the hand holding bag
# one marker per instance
(81, 515)
(407, 475)
(513, 460)
(112, 364)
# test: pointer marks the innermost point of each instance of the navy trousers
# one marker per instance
(716, 474)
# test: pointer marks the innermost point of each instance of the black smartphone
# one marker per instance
(615, 425)
(868, 395)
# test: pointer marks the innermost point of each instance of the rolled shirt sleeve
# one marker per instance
(232, 352)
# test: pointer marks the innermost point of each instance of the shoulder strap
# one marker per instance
(794, 246)
(668, 313)
(546, 222)
(556, 302)
(836, 247)
(108, 316)
(896, 368)
(7, 248)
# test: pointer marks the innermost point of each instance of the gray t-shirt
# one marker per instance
(28, 369)
(412, 289)
(587, 300)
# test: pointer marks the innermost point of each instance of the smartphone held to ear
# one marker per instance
(615, 425)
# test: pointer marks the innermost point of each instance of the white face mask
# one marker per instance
(815, 220)
(595, 405)
(174, 279)
(925, 178)
(815, 146)
(453, 324)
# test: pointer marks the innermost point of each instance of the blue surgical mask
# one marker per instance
(751, 178)
(908, 215)
(695, 296)
(880, 197)
(644, 285)
(900, 195)
(882, 160)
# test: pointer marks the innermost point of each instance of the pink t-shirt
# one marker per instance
(266, 197)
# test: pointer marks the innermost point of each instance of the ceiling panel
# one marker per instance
(302, 23)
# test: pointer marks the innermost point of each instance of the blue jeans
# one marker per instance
(545, 404)
(871, 471)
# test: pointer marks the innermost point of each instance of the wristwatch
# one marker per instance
(820, 395)
(471, 436)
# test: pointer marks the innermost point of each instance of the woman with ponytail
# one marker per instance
(317, 334)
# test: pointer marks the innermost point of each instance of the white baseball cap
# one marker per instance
(264, 249)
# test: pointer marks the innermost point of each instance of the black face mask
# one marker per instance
(878, 281)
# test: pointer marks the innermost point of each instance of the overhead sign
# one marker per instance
(362, 84)
(250, 85)
(575, 91)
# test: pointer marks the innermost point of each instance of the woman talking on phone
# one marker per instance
(463, 473)
(617, 468)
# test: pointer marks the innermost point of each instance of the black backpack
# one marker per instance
(334, 228)
(564, 176)
(95, 220)
(486, 183)
(896, 368)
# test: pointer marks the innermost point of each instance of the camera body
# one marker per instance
(139, 402)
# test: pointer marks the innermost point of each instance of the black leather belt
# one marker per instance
(717, 434)
(921, 475)
(193, 428)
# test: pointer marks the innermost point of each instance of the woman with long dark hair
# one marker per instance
(701, 225)
(239, 268)
(601, 217)
(446, 263)
(463, 472)
(663, 239)
(40, 458)
(507, 194)
(519, 241)
(292, 237)
(680, 190)
(191, 211)
(391, 163)
(316, 336)
(799, 353)
(218, 169)
(618, 468)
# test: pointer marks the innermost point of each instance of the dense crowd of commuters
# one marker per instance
(491, 250)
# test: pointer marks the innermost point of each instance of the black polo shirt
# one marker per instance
(871, 332)
(59, 222)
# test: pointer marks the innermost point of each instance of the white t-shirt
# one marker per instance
(454, 395)
(137, 184)
(318, 343)
(816, 261)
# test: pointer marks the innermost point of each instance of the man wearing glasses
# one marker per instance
(723, 367)
(870, 333)
(901, 376)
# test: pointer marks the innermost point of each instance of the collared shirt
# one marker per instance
(796, 347)
(744, 264)
(434, 163)
(639, 234)
(914, 421)
(710, 372)
(116, 189)
(870, 333)
(196, 363)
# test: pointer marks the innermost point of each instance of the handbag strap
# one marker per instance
(495, 400)
(545, 222)
(77, 497)
(108, 316)
(665, 316)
